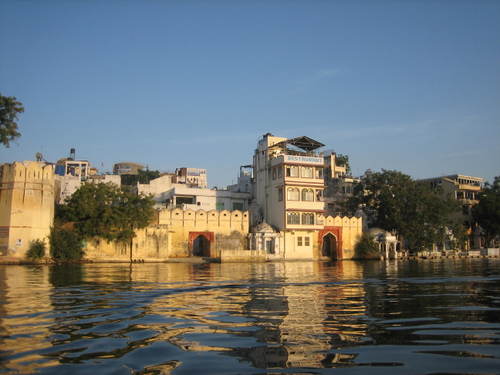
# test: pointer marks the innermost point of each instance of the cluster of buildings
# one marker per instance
(285, 205)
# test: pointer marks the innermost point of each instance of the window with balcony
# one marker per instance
(307, 195)
(307, 172)
(280, 171)
(274, 173)
(292, 194)
(307, 219)
(292, 218)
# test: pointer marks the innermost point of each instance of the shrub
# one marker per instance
(36, 250)
(367, 248)
(65, 245)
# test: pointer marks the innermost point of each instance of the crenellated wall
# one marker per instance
(26, 205)
(225, 229)
(173, 235)
(352, 228)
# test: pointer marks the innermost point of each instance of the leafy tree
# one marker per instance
(394, 202)
(105, 211)
(341, 159)
(65, 244)
(36, 250)
(9, 109)
(142, 177)
(367, 248)
(487, 211)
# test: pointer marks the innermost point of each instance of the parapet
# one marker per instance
(201, 218)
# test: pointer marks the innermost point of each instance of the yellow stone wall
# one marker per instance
(351, 232)
(151, 243)
(227, 226)
(26, 205)
(352, 228)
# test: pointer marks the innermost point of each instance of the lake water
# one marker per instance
(411, 317)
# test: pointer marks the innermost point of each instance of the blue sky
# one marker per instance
(406, 85)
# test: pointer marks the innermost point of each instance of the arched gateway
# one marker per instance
(330, 243)
(200, 243)
(329, 248)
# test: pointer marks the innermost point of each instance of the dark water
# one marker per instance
(427, 317)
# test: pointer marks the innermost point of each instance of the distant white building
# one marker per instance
(194, 177)
(182, 196)
(70, 174)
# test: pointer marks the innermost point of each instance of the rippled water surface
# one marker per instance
(425, 317)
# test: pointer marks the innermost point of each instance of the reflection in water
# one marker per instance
(302, 317)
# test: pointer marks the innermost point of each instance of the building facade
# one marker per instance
(127, 167)
(288, 190)
(194, 177)
(465, 190)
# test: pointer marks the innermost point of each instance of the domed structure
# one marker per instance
(263, 228)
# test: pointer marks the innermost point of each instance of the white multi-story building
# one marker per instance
(288, 194)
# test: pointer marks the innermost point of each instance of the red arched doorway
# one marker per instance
(200, 243)
(330, 243)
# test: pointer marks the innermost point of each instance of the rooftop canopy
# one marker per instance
(304, 143)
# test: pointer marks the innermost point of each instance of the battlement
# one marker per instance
(27, 205)
(211, 220)
(27, 171)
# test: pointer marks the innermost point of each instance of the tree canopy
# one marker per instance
(105, 211)
(9, 109)
(394, 202)
(487, 211)
(341, 159)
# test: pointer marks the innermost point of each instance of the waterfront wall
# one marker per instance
(225, 235)
(151, 243)
(222, 229)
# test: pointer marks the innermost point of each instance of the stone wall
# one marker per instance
(228, 228)
(151, 243)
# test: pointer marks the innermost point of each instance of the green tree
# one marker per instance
(394, 202)
(65, 245)
(105, 211)
(487, 211)
(367, 248)
(341, 159)
(9, 109)
(36, 250)
(142, 177)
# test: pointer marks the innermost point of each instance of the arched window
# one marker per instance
(292, 194)
(308, 219)
(307, 195)
(293, 218)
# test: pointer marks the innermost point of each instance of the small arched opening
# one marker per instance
(329, 246)
(201, 246)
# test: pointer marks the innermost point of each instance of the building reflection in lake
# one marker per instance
(274, 315)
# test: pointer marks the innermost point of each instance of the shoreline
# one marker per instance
(11, 261)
